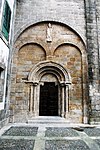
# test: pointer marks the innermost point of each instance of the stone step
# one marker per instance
(47, 119)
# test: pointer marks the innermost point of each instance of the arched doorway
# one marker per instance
(50, 84)
(48, 105)
(62, 56)
(48, 100)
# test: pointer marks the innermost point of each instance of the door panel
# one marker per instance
(48, 99)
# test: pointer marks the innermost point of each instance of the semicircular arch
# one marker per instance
(29, 24)
(49, 67)
(24, 43)
(81, 51)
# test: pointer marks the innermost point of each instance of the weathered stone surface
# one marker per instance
(8, 144)
(65, 144)
(63, 50)
(21, 131)
(0, 5)
(98, 142)
(92, 131)
(1, 89)
(73, 43)
(60, 132)
(60, 136)
(92, 8)
(38, 11)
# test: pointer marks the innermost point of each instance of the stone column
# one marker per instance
(62, 99)
(93, 58)
(33, 108)
(66, 100)
(85, 113)
(30, 92)
(31, 98)
(59, 100)
(35, 99)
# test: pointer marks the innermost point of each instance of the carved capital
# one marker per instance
(31, 83)
(35, 83)
(62, 84)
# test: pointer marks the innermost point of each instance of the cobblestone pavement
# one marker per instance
(49, 137)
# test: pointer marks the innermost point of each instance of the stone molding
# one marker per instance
(64, 81)
(50, 66)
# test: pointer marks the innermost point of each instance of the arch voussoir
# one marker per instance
(64, 81)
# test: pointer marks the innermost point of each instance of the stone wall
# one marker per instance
(70, 12)
(0, 5)
(31, 54)
(92, 28)
(31, 47)
(98, 27)
(65, 48)
(97, 95)
(1, 88)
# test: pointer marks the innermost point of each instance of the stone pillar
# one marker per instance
(31, 99)
(93, 58)
(59, 100)
(33, 106)
(30, 92)
(35, 99)
(85, 114)
(66, 100)
(63, 99)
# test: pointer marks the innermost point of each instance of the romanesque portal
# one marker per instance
(50, 73)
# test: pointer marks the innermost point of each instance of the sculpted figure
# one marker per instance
(49, 33)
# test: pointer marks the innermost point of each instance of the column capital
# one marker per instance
(31, 83)
(35, 83)
(64, 83)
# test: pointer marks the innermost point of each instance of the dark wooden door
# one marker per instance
(48, 99)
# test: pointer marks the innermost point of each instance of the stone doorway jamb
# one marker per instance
(64, 86)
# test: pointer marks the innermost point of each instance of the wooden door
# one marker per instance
(48, 99)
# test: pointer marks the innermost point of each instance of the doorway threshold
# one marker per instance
(47, 119)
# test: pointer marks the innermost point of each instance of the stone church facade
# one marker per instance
(56, 55)
(55, 61)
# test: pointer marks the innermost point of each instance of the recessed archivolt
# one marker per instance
(81, 51)
(32, 44)
(73, 38)
(35, 22)
(20, 43)
(49, 76)
(50, 70)
(49, 67)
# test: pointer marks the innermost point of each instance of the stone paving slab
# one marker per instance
(21, 131)
(47, 137)
(97, 141)
(66, 145)
(60, 132)
(92, 131)
(12, 144)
